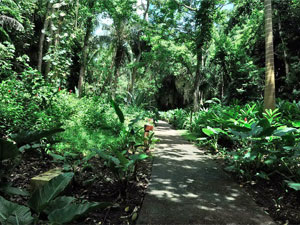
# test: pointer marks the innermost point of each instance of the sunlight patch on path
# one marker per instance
(188, 187)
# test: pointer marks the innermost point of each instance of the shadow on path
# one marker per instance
(188, 187)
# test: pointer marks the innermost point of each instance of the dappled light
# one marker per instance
(149, 112)
(189, 187)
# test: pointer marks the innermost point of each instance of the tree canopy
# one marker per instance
(170, 53)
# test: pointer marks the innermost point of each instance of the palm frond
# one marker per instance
(13, 23)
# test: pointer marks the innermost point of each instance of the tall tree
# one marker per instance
(49, 10)
(142, 10)
(204, 19)
(92, 10)
(84, 55)
(121, 13)
(269, 95)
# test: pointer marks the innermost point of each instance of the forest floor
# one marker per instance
(188, 187)
(89, 185)
(191, 185)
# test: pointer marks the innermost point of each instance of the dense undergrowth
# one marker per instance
(42, 119)
(254, 143)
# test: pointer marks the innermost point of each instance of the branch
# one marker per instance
(146, 10)
(186, 6)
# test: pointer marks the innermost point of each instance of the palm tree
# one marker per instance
(269, 95)
(13, 23)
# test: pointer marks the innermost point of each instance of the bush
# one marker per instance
(254, 143)
(28, 103)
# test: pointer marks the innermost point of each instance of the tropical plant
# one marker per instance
(12, 213)
(46, 200)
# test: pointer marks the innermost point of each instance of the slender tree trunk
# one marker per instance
(115, 81)
(84, 55)
(138, 58)
(285, 55)
(197, 82)
(133, 74)
(147, 10)
(42, 37)
(48, 64)
(203, 25)
(269, 94)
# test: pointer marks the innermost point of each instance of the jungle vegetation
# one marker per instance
(79, 78)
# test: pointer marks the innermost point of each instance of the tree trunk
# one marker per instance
(269, 94)
(133, 74)
(285, 55)
(115, 82)
(146, 10)
(138, 58)
(55, 39)
(42, 37)
(48, 64)
(197, 82)
(84, 55)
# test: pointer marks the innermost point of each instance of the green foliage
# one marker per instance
(12, 213)
(30, 137)
(72, 161)
(7, 189)
(118, 111)
(44, 195)
(28, 103)
(60, 210)
(72, 211)
(122, 164)
(7, 51)
(254, 143)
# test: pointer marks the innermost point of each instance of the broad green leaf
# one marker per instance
(56, 156)
(207, 132)
(288, 148)
(240, 134)
(270, 161)
(73, 211)
(8, 150)
(42, 197)
(263, 175)
(29, 137)
(210, 131)
(14, 214)
(123, 160)
(284, 131)
(293, 185)
(267, 131)
(256, 130)
(241, 129)
(264, 123)
(107, 157)
(296, 124)
(138, 157)
(118, 111)
(13, 190)
(58, 203)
